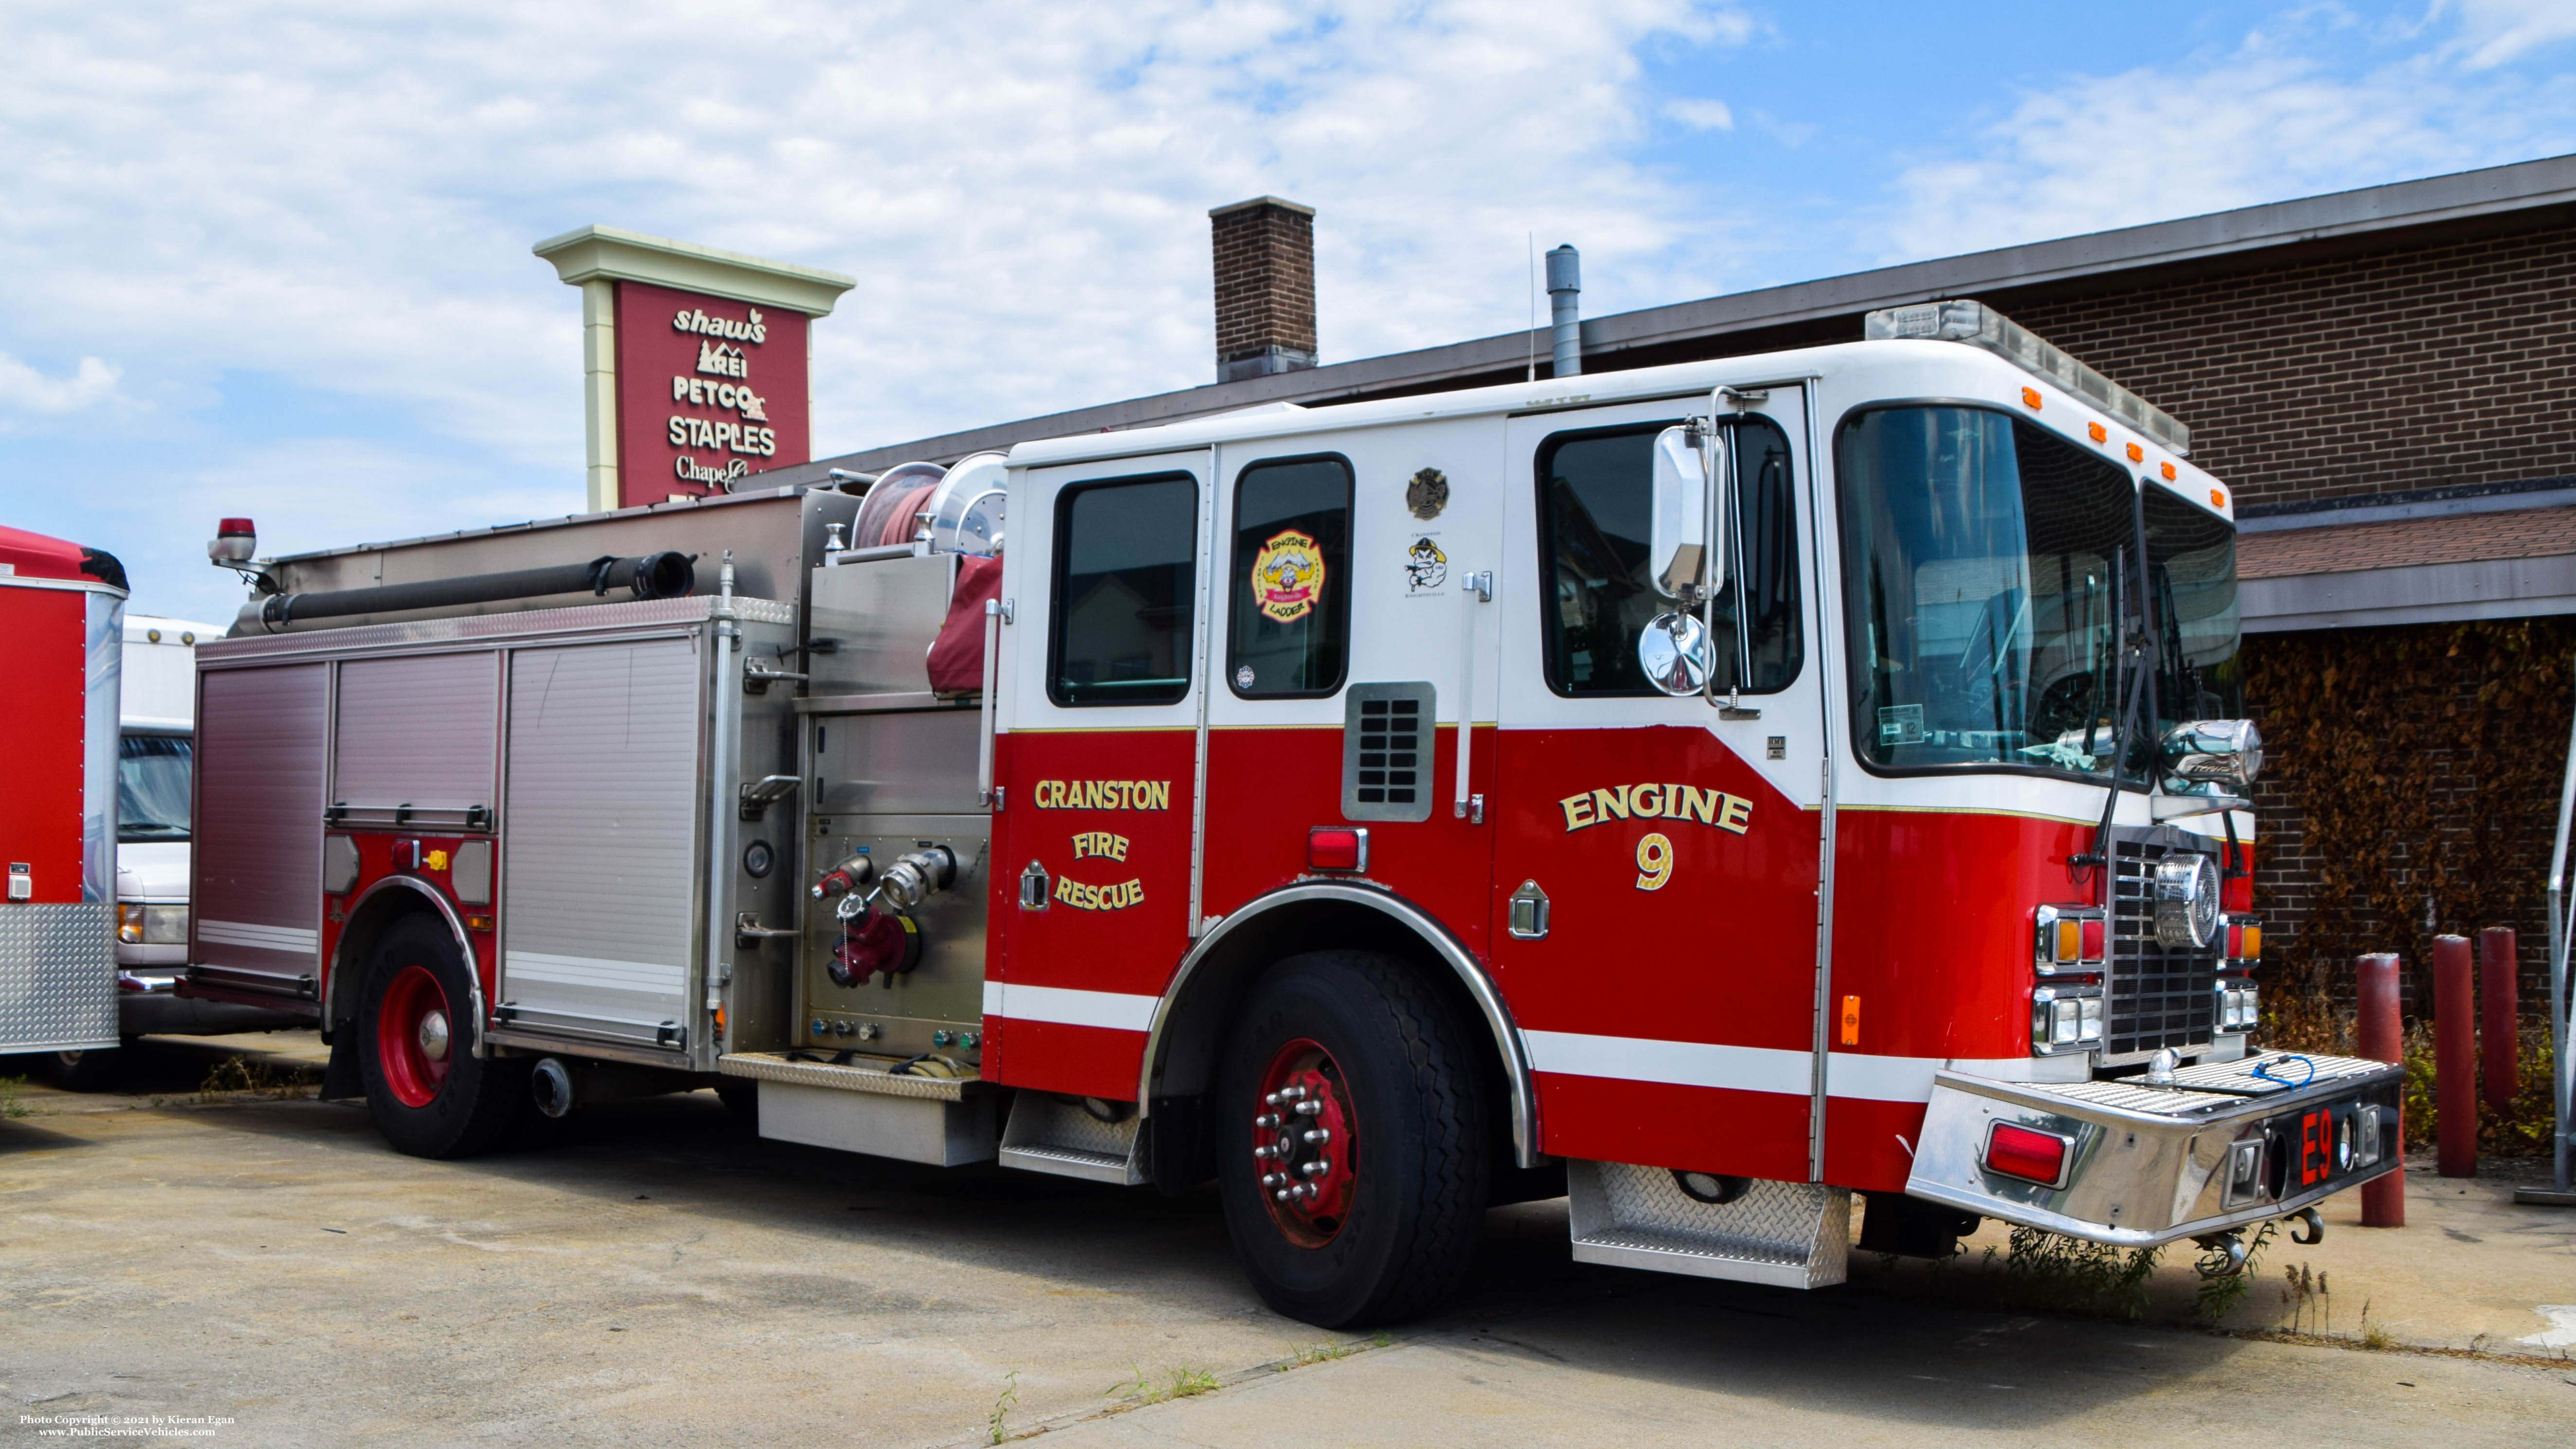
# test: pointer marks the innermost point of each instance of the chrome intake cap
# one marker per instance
(2204, 752)
(2186, 897)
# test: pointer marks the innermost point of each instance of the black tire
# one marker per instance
(95, 1070)
(1416, 1145)
(481, 1100)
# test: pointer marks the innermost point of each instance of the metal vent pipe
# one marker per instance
(1565, 308)
(652, 576)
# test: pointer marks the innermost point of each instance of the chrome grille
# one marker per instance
(2157, 998)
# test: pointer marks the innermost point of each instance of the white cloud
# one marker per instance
(1701, 114)
(2265, 122)
(344, 198)
(23, 387)
(2494, 32)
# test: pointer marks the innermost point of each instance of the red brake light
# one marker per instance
(2026, 1154)
(2093, 938)
(2235, 940)
(1336, 847)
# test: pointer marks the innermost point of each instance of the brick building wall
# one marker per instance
(2412, 366)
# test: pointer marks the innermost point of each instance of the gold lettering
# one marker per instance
(1103, 794)
(1695, 804)
(1736, 814)
(1646, 800)
(1162, 795)
(1578, 812)
(1611, 802)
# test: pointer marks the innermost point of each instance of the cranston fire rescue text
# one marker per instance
(1735, 787)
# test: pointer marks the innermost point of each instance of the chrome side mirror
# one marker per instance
(2203, 752)
(1681, 561)
(1674, 651)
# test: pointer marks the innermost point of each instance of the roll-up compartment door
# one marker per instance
(259, 767)
(598, 837)
(415, 735)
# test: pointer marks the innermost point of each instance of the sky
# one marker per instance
(271, 257)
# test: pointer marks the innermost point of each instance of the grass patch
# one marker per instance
(11, 1103)
(1176, 1383)
(1302, 1354)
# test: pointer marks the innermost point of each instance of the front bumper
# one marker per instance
(2218, 1147)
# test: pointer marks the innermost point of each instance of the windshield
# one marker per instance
(152, 787)
(2192, 555)
(1982, 569)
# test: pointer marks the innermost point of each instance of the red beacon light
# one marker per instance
(234, 542)
(2028, 1154)
(1337, 848)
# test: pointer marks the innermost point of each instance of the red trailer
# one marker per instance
(61, 635)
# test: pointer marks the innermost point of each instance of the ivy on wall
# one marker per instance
(2411, 789)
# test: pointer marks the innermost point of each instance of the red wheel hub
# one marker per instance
(1304, 1155)
(413, 1036)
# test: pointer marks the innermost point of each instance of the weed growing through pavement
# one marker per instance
(2069, 1275)
(1178, 1383)
(241, 1074)
(2374, 1335)
(1302, 1354)
(997, 1423)
(2217, 1295)
(2311, 1303)
(10, 1103)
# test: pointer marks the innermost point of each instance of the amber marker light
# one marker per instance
(2137, 454)
(1851, 1021)
(2097, 432)
(2030, 398)
(478, 923)
(2168, 470)
(2217, 499)
(2070, 942)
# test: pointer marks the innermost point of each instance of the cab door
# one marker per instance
(1656, 857)
(1097, 759)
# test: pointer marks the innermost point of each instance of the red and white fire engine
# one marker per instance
(61, 635)
(1693, 786)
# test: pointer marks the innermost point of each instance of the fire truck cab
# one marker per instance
(1733, 785)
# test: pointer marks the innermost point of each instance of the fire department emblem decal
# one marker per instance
(1425, 567)
(1427, 494)
(1288, 576)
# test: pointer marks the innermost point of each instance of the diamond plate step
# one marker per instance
(1788, 1234)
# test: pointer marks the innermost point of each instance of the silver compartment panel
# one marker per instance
(258, 854)
(58, 976)
(599, 843)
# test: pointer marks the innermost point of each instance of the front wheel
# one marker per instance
(430, 1095)
(1351, 1152)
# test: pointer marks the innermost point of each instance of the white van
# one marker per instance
(154, 762)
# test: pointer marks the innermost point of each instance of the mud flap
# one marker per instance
(340, 1080)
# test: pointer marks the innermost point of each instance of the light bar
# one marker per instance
(1962, 320)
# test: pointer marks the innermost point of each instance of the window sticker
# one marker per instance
(1288, 576)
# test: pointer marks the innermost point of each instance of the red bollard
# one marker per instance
(2455, 1056)
(2500, 1050)
(2383, 1199)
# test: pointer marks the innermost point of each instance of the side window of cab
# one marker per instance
(1594, 491)
(1125, 577)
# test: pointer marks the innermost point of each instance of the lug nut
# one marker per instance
(1266, 1119)
(1309, 1109)
(1319, 1134)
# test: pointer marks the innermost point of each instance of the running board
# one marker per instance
(858, 1105)
(1787, 1234)
(1054, 1135)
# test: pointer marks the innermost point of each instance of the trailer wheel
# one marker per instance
(430, 1095)
(1351, 1154)
(91, 1070)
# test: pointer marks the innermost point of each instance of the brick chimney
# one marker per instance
(1265, 287)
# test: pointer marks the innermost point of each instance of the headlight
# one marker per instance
(165, 925)
(129, 924)
(2062, 1021)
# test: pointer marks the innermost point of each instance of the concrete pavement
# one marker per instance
(645, 1275)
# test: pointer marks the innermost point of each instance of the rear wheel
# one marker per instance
(430, 1095)
(94, 1070)
(1351, 1154)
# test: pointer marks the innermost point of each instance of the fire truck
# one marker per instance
(61, 607)
(1706, 791)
